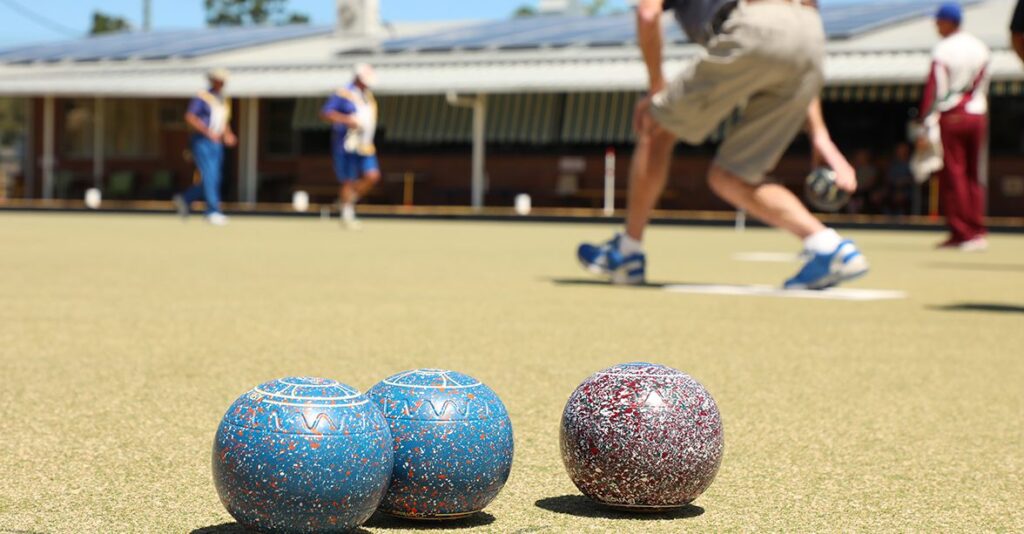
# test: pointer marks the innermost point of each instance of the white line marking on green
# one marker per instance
(844, 294)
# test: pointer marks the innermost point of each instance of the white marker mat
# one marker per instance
(848, 294)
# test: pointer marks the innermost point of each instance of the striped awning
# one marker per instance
(604, 118)
(532, 118)
(525, 119)
(873, 93)
(424, 120)
(1007, 88)
(905, 93)
(556, 118)
(429, 119)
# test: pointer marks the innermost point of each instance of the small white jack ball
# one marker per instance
(93, 198)
(524, 204)
(300, 201)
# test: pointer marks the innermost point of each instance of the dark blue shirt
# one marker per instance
(698, 17)
(340, 104)
(201, 108)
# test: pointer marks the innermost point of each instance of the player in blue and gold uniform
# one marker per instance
(352, 113)
(209, 119)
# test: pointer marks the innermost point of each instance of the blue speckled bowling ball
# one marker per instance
(453, 443)
(302, 455)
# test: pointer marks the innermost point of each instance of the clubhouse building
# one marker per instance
(472, 113)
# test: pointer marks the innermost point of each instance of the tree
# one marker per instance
(596, 7)
(592, 8)
(103, 23)
(250, 12)
(524, 11)
(600, 7)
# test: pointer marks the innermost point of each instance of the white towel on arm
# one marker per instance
(929, 161)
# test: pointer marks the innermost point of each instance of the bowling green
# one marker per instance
(124, 338)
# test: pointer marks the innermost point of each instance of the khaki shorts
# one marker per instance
(767, 63)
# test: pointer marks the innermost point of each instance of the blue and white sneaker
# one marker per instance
(823, 271)
(609, 260)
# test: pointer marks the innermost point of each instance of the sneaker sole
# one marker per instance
(593, 268)
(621, 279)
(857, 268)
(616, 278)
(973, 249)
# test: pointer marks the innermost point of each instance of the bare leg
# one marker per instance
(347, 193)
(771, 203)
(648, 174)
(368, 182)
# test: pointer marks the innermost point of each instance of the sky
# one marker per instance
(74, 16)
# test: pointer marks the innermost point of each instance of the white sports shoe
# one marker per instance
(823, 271)
(348, 217)
(180, 206)
(609, 260)
(978, 244)
(217, 219)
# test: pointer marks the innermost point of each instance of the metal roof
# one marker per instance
(549, 31)
(842, 21)
(845, 21)
(492, 76)
(896, 54)
(158, 45)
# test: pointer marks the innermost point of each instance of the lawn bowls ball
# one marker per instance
(821, 191)
(453, 443)
(641, 437)
(302, 455)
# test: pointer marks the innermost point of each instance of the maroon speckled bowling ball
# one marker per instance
(642, 437)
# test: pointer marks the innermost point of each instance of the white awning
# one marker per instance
(492, 75)
(897, 54)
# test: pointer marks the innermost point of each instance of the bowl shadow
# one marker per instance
(595, 282)
(225, 528)
(387, 522)
(989, 307)
(235, 528)
(580, 506)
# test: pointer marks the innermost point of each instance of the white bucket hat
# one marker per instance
(219, 74)
(365, 73)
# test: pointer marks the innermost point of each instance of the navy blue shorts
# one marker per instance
(349, 166)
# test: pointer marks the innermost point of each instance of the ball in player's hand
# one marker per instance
(821, 190)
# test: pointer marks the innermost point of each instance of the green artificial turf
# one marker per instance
(123, 339)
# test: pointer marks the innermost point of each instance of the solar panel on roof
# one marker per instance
(849, 20)
(571, 30)
(612, 28)
(159, 44)
(475, 33)
(842, 21)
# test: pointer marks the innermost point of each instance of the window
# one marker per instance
(280, 138)
(79, 126)
(12, 120)
(131, 128)
(1006, 115)
(172, 114)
